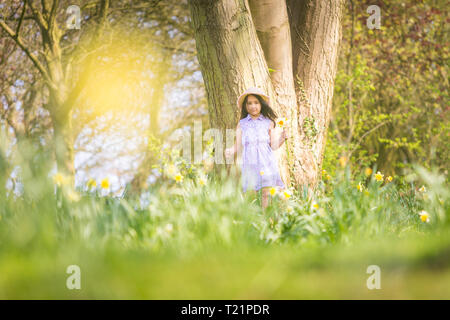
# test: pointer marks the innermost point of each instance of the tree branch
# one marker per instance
(153, 4)
(52, 17)
(38, 17)
(365, 134)
(104, 6)
(90, 5)
(30, 55)
(44, 7)
(21, 18)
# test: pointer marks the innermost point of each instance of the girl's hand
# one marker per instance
(285, 134)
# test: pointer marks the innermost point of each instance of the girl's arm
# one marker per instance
(237, 147)
(275, 142)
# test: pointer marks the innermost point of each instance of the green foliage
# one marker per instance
(309, 126)
(390, 97)
(211, 230)
(310, 130)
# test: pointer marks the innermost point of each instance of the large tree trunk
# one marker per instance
(272, 26)
(316, 35)
(231, 58)
(237, 42)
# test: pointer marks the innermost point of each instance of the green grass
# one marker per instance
(410, 268)
(211, 242)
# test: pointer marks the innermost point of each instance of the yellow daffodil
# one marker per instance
(105, 183)
(202, 181)
(328, 177)
(91, 183)
(178, 178)
(261, 173)
(423, 189)
(389, 179)
(314, 205)
(343, 161)
(287, 194)
(368, 171)
(424, 216)
(60, 179)
(379, 176)
(360, 187)
(281, 122)
(272, 191)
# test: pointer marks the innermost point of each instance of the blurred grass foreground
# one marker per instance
(194, 235)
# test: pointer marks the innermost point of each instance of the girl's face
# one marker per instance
(253, 105)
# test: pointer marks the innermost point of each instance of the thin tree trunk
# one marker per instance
(60, 108)
(63, 144)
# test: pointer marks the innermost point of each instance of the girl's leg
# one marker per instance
(265, 197)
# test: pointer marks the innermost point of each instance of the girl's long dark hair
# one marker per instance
(266, 110)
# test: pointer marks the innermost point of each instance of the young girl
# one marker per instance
(255, 132)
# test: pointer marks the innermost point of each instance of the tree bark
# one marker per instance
(272, 27)
(230, 56)
(237, 41)
(231, 60)
(315, 34)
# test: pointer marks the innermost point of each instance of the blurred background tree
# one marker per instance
(391, 103)
(98, 90)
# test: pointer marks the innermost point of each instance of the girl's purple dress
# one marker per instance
(257, 155)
